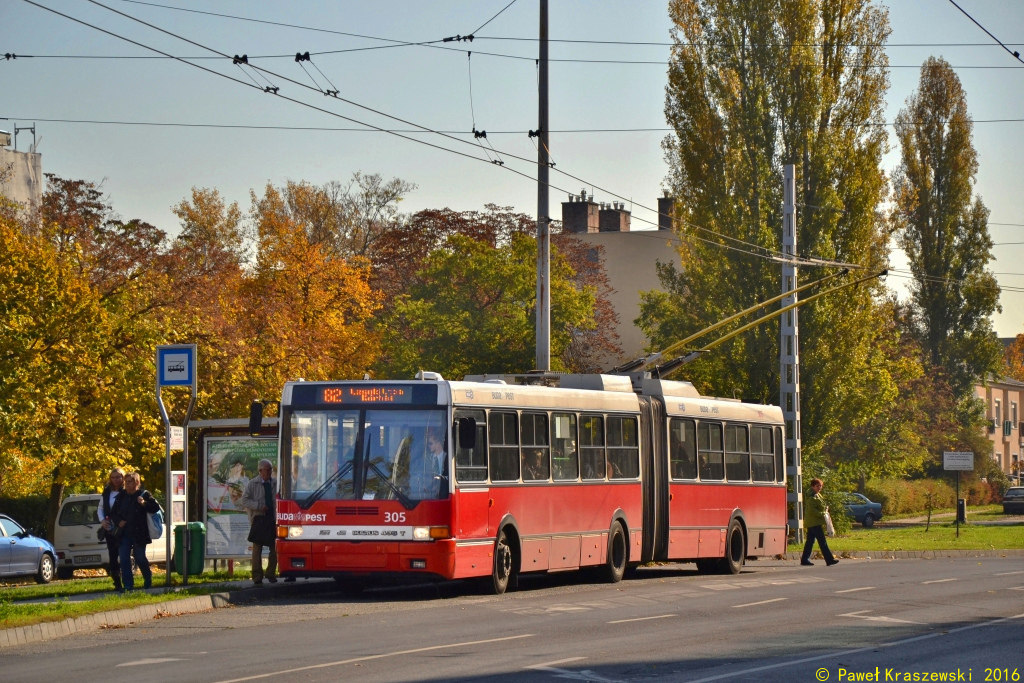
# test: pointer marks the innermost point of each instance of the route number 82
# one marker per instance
(394, 517)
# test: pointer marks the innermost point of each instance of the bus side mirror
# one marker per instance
(467, 433)
(255, 418)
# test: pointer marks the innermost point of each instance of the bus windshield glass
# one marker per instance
(366, 455)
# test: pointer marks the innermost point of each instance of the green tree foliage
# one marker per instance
(752, 87)
(1013, 359)
(398, 260)
(944, 231)
(51, 334)
(472, 310)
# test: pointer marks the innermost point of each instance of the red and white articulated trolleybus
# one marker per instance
(494, 478)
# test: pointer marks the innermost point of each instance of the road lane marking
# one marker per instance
(925, 583)
(660, 616)
(381, 656)
(847, 653)
(1016, 588)
(161, 660)
(862, 615)
(854, 590)
(762, 602)
(557, 661)
(585, 675)
(1008, 573)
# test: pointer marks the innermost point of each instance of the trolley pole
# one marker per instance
(789, 356)
(543, 332)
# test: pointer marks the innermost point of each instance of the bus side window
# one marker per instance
(503, 437)
(565, 459)
(592, 446)
(709, 451)
(762, 460)
(623, 448)
(683, 448)
(536, 452)
(737, 453)
(471, 463)
(780, 451)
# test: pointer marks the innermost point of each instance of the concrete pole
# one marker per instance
(543, 219)
(789, 357)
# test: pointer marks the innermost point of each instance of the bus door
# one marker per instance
(470, 437)
(653, 479)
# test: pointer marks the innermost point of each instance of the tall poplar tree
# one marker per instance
(943, 228)
(753, 86)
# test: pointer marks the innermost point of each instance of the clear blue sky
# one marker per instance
(145, 170)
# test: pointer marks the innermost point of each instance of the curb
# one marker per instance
(36, 633)
(914, 554)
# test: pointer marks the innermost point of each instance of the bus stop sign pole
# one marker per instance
(175, 367)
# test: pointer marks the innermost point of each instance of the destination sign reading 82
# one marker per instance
(365, 394)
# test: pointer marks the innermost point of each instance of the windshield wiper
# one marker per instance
(404, 499)
(316, 495)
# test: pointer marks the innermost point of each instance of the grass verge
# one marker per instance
(972, 510)
(14, 614)
(59, 589)
(941, 536)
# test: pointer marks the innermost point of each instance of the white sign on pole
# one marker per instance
(958, 460)
(177, 438)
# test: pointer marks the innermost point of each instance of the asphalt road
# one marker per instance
(775, 621)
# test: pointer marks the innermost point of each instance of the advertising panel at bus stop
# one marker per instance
(230, 463)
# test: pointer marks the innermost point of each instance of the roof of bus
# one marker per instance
(708, 407)
(493, 394)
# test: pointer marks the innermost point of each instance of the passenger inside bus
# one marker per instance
(535, 466)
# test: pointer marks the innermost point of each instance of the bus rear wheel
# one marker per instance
(503, 572)
(735, 550)
(615, 565)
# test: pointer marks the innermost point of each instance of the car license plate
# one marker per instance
(87, 559)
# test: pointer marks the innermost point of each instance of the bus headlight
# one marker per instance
(294, 531)
(427, 533)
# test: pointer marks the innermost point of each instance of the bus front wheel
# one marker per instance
(503, 573)
(735, 549)
(615, 565)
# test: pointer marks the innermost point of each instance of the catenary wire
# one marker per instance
(777, 254)
(1014, 53)
(320, 109)
(412, 130)
(496, 15)
(551, 40)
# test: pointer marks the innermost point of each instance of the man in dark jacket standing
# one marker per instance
(258, 501)
(129, 515)
(814, 522)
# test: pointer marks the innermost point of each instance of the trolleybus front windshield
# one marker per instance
(367, 455)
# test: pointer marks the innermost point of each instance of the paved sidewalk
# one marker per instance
(22, 635)
(234, 585)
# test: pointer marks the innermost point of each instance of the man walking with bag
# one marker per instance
(258, 501)
(815, 512)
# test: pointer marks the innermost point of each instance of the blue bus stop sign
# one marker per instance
(176, 366)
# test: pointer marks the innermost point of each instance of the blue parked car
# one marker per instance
(22, 554)
(862, 510)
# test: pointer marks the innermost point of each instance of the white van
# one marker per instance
(75, 537)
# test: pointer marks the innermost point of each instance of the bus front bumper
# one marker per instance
(324, 558)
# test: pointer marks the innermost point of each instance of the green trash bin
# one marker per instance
(196, 550)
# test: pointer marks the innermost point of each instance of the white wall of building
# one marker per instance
(21, 177)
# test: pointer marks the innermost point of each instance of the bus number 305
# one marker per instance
(394, 517)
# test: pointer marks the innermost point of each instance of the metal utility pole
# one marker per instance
(789, 356)
(543, 220)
